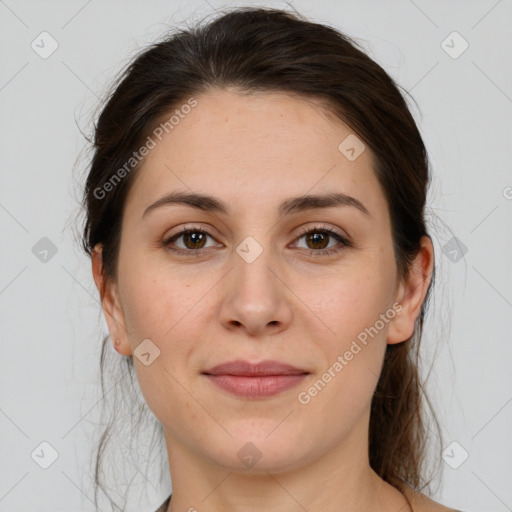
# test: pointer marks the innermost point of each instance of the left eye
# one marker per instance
(318, 236)
(194, 240)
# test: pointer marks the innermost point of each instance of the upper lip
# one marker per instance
(247, 369)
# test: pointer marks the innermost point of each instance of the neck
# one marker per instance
(339, 480)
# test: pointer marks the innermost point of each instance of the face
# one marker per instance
(253, 280)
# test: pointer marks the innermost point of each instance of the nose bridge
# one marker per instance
(254, 263)
(254, 298)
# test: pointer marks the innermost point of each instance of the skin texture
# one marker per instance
(253, 152)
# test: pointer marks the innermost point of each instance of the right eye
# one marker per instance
(194, 240)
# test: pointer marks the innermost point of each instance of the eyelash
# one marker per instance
(199, 252)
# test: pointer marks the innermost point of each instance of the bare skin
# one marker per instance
(290, 304)
(422, 503)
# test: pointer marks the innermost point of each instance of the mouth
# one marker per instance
(261, 380)
(263, 369)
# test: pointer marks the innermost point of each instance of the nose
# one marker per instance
(256, 298)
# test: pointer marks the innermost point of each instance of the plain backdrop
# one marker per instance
(453, 57)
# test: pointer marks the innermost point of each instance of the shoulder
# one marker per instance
(422, 503)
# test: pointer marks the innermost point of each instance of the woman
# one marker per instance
(255, 220)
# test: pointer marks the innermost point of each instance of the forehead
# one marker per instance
(256, 149)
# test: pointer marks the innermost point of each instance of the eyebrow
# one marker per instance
(287, 207)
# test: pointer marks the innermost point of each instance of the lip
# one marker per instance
(261, 380)
(243, 368)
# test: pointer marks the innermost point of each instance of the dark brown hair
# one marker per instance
(269, 50)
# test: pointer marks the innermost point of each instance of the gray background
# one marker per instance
(50, 317)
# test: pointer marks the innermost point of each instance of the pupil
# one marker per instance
(315, 237)
(195, 237)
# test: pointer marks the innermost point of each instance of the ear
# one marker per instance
(110, 303)
(411, 293)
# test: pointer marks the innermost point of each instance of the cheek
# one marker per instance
(353, 353)
(352, 308)
(148, 307)
(167, 315)
(161, 311)
(155, 296)
(170, 308)
(349, 304)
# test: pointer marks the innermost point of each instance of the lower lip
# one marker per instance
(256, 387)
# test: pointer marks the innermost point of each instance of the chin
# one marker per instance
(254, 451)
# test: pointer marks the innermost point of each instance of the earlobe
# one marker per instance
(411, 293)
(110, 303)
